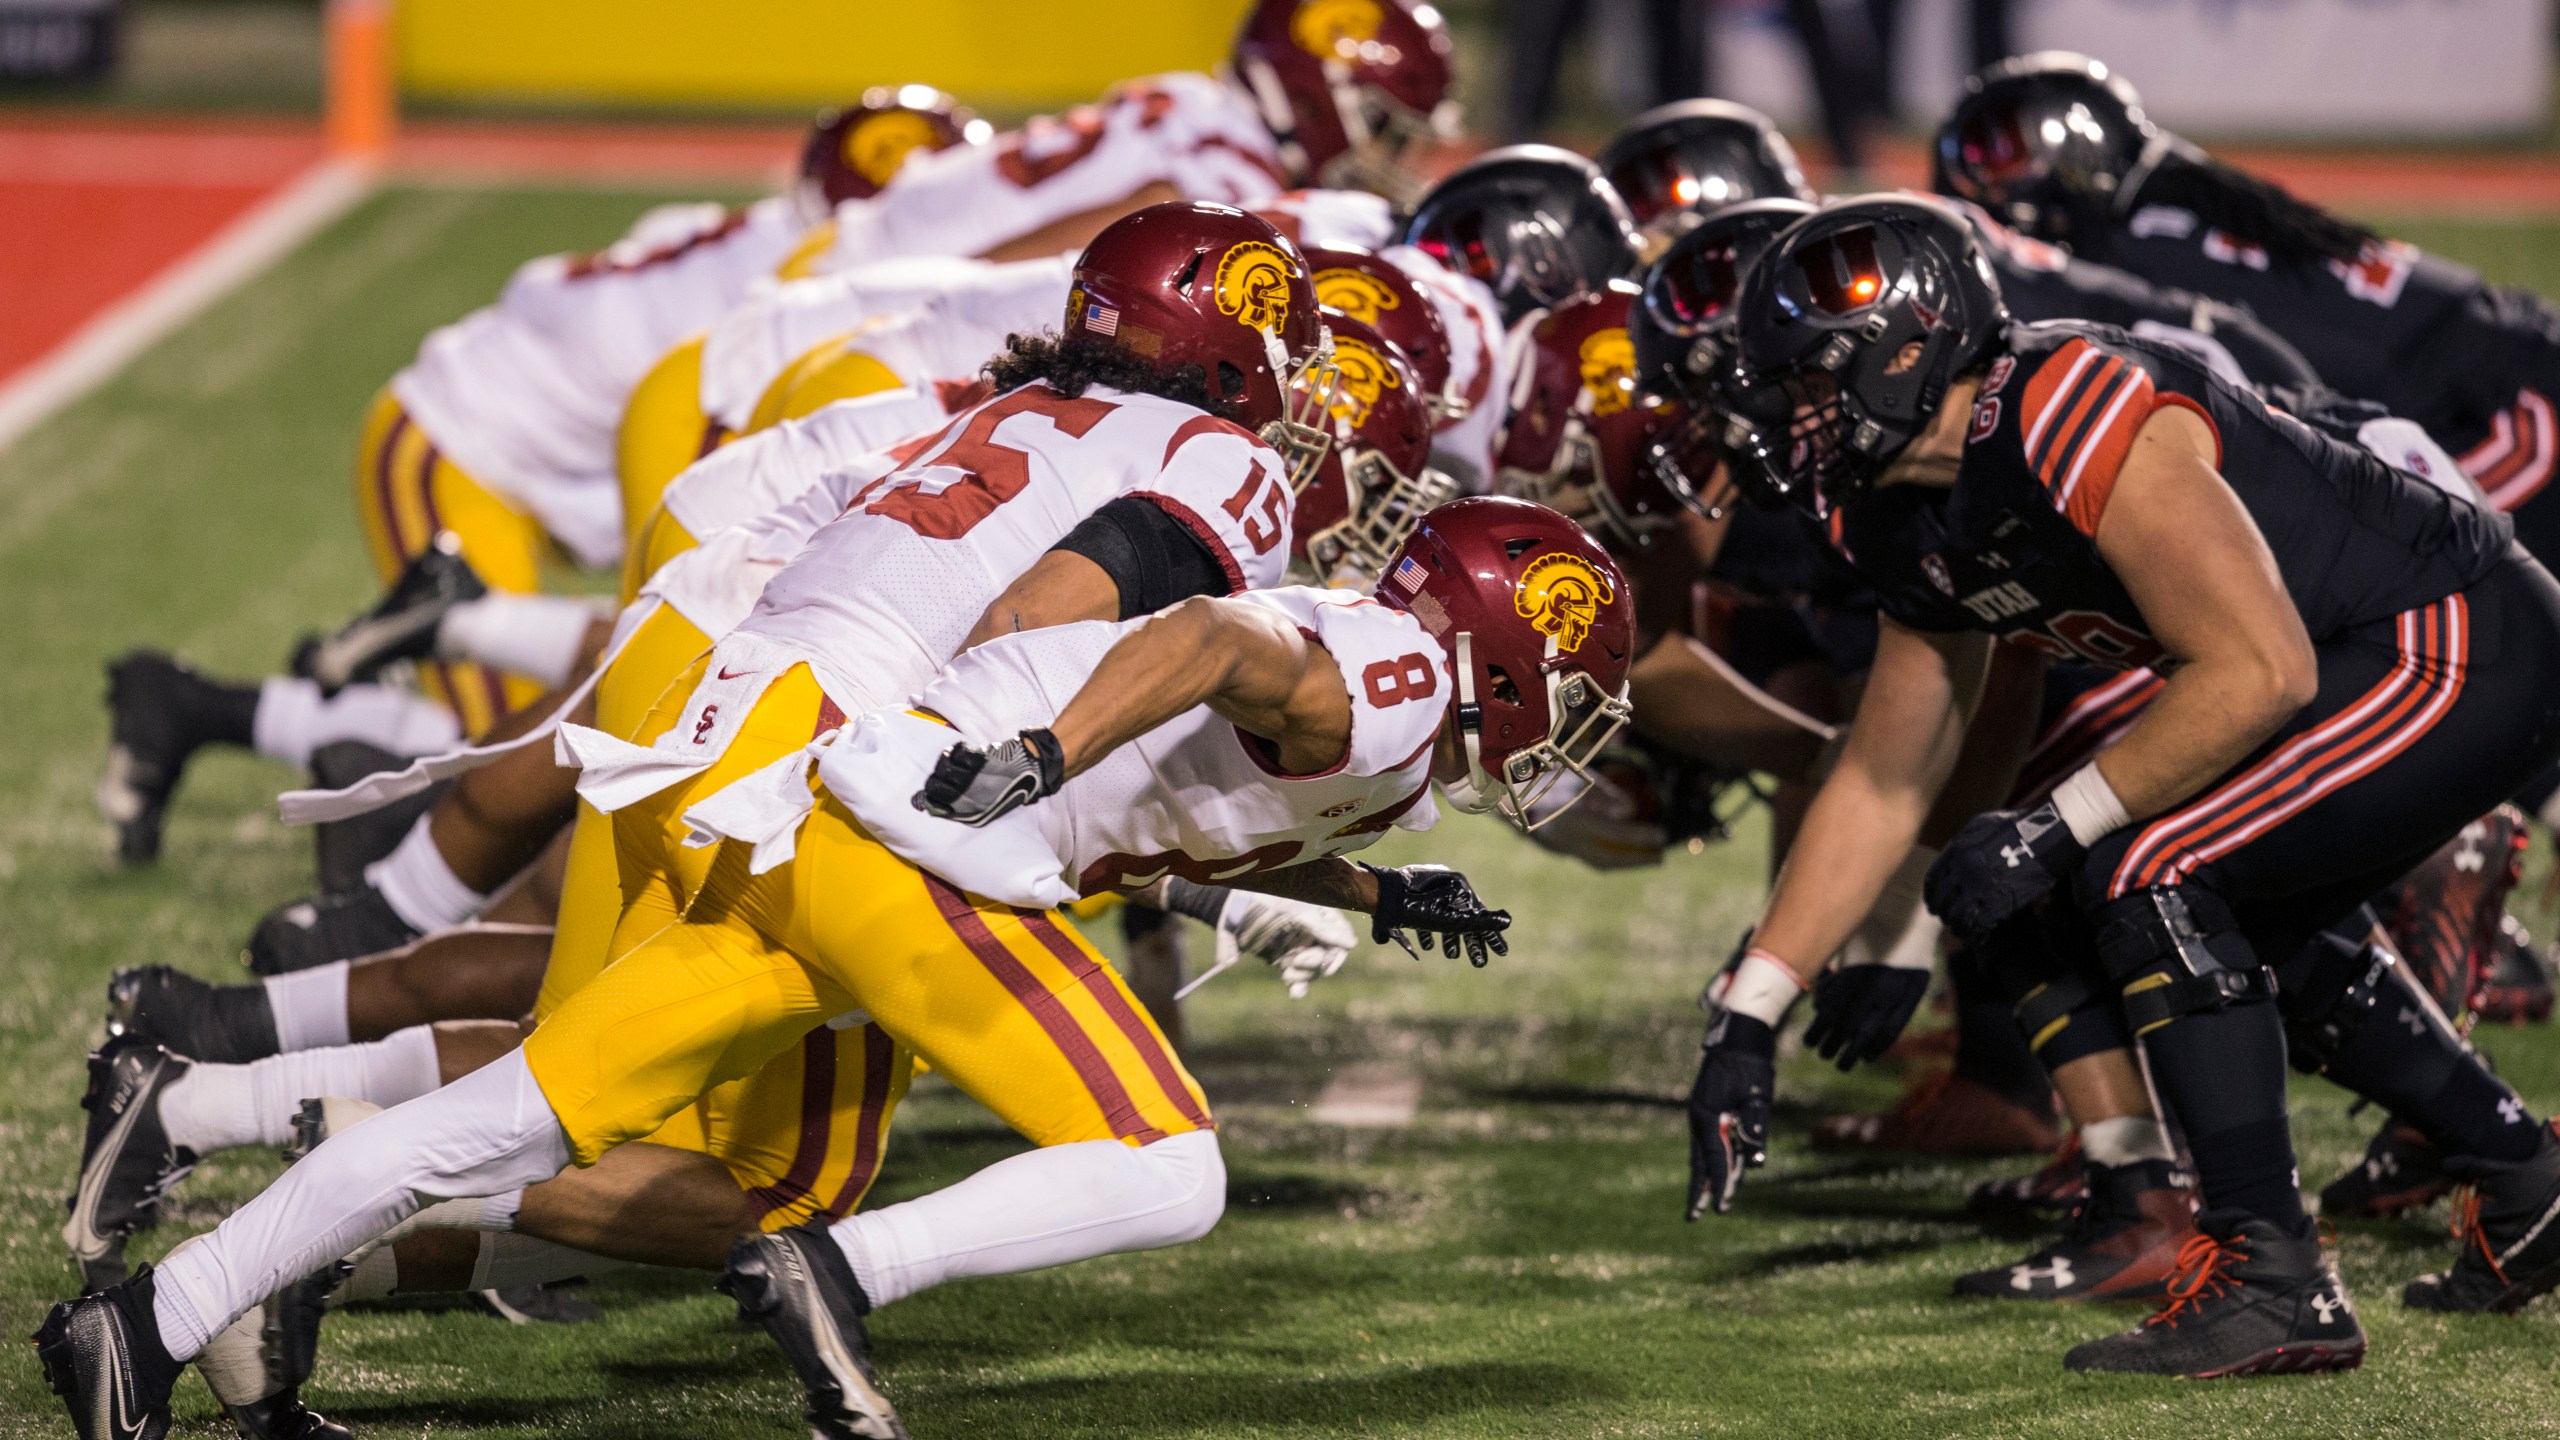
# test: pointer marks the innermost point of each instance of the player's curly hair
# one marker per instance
(1071, 365)
(2245, 207)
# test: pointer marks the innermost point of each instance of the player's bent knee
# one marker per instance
(2064, 1020)
(489, 1132)
(2174, 951)
(1193, 1179)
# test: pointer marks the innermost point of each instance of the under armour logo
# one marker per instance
(2416, 1022)
(2471, 857)
(710, 713)
(2511, 1110)
(2381, 1165)
(2327, 1307)
(2024, 1277)
(2016, 855)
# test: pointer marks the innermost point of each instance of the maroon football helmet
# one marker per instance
(1347, 86)
(1360, 284)
(854, 151)
(1541, 630)
(1375, 486)
(1190, 283)
(1579, 426)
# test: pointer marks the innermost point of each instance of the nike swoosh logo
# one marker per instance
(728, 674)
(80, 1232)
(335, 662)
(114, 1409)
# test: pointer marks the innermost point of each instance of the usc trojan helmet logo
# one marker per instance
(876, 148)
(1365, 376)
(1335, 29)
(1357, 295)
(1561, 595)
(1253, 285)
(1608, 361)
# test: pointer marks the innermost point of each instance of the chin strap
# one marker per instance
(1467, 795)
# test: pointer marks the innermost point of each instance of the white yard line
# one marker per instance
(236, 254)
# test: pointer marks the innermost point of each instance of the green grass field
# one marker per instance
(1511, 1264)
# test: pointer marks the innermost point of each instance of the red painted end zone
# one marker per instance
(89, 213)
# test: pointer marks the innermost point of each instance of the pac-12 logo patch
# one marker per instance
(1355, 294)
(1253, 285)
(1336, 29)
(1561, 594)
(1608, 361)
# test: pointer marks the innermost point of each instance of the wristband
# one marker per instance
(2088, 805)
(1763, 987)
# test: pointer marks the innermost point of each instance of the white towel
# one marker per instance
(876, 766)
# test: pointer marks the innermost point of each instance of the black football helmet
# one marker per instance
(1849, 330)
(1679, 161)
(1682, 330)
(1538, 225)
(2047, 143)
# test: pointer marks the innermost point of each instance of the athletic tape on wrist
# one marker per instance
(2088, 805)
(1763, 987)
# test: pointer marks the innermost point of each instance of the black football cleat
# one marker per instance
(160, 712)
(257, 1366)
(223, 1024)
(127, 1163)
(400, 626)
(2509, 1224)
(796, 1284)
(102, 1354)
(2121, 1243)
(2247, 1299)
(2401, 1170)
(303, 934)
(2032, 1201)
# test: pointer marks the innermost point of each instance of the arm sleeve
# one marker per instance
(1153, 558)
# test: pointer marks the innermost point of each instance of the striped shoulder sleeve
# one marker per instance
(2077, 421)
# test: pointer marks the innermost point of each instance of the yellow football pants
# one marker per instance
(715, 973)
(406, 492)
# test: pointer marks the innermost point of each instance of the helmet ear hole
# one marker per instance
(1503, 689)
(1230, 380)
(1517, 546)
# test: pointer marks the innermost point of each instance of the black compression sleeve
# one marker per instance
(1152, 557)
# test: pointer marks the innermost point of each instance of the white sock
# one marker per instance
(541, 637)
(310, 1007)
(223, 1107)
(489, 1132)
(2125, 1140)
(294, 719)
(1049, 1207)
(420, 887)
(507, 1261)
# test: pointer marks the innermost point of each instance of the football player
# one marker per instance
(1678, 162)
(2331, 712)
(1534, 224)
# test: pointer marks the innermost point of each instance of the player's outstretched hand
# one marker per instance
(1434, 900)
(1303, 941)
(1860, 1010)
(2000, 863)
(1729, 1109)
(975, 784)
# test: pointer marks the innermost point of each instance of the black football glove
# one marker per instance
(1729, 1109)
(1860, 1010)
(1435, 900)
(2000, 863)
(976, 784)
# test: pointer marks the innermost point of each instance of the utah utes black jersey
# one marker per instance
(2045, 282)
(2009, 549)
(2428, 339)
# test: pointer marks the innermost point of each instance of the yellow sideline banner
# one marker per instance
(1004, 54)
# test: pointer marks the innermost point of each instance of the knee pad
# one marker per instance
(2337, 985)
(2174, 951)
(2064, 1019)
(1195, 1169)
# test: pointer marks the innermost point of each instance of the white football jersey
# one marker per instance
(1195, 133)
(1332, 218)
(1478, 365)
(1197, 797)
(759, 338)
(884, 593)
(526, 395)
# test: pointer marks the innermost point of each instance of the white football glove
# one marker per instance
(1304, 942)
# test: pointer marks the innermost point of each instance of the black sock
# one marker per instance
(1989, 1050)
(2223, 1072)
(223, 713)
(2404, 1059)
